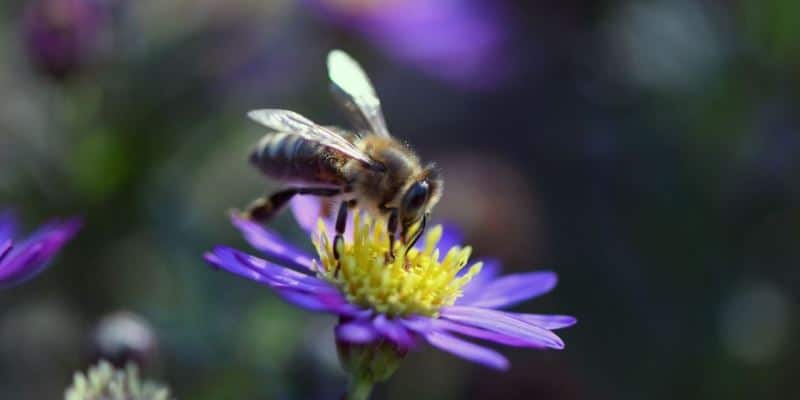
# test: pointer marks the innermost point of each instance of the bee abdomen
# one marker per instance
(289, 157)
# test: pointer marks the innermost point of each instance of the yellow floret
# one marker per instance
(416, 282)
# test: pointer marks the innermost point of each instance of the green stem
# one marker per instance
(359, 389)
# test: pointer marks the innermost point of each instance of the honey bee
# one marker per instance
(366, 166)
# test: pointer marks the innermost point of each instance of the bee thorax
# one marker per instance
(379, 190)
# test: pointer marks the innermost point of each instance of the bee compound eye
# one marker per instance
(416, 196)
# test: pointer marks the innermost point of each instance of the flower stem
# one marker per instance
(359, 389)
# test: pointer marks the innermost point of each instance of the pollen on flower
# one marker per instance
(415, 282)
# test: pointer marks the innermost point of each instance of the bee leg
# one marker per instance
(341, 225)
(391, 227)
(264, 208)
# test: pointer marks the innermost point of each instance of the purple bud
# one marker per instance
(63, 36)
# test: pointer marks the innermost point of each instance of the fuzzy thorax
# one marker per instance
(416, 282)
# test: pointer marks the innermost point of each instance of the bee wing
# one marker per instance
(292, 122)
(352, 88)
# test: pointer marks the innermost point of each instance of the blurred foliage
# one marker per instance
(647, 151)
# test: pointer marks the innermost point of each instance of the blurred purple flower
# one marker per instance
(379, 305)
(61, 36)
(23, 259)
(460, 41)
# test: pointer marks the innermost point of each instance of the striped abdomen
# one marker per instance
(290, 158)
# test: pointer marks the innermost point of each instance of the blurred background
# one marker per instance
(647, 151)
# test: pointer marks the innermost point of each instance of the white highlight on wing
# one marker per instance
(292, 122)
(345, 73)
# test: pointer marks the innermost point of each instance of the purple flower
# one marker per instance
(460, 41)
(22, 259)
(421, 296)
(61, 36)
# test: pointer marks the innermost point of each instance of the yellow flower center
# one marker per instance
(413, 282)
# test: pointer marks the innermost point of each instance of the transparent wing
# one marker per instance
(292, 122)
(353, 90)
(346, 134)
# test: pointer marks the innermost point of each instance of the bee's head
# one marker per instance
(420, 197)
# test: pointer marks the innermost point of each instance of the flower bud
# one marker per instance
(371, 362)
(124, 337)
(62, 36)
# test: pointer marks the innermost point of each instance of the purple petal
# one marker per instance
(260, 270)
(5, 248)
(356, 331)
(549, 322)
(30, 256)
(446, 325)
(20, 265)
(475, 287)
(503, 323)
(333, 303)
(421, 325)
(307, 210)
(296, 288)
(467, 350)
(272, 245)
(425, 325)
(307, 301)
(234, 266)
(394, 330)
(54, 233)
(512, 289)
(320, 302)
